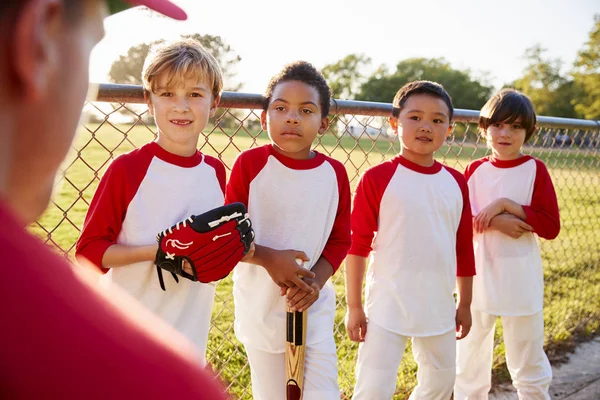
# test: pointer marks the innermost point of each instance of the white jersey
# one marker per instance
(141, 194)
(293, 204)
(423, 240)
(510, 279)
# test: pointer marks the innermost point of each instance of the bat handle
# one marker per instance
(296, 323)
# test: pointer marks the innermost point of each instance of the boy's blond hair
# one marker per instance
(180, 60)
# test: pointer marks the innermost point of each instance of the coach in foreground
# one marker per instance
(60, 338)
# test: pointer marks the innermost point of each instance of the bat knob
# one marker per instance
(292, 391)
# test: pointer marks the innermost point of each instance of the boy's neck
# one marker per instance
(296, 155)
(499, 157)
(187, 149)
(424, 160)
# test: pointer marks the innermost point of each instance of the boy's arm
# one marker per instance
(510, 225)
(543, 214)
(482, 221)
(365, 217)
(465, 256)
(105, 215)
(463, 308)
(465, 262)
(355, 320)
(338, 242)
(119, 255)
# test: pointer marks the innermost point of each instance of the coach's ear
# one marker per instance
(263, 120)
(36, 46)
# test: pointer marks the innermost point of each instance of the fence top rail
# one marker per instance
(117, 93)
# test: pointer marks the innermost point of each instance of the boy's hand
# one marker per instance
(510, 225)
(463, 322)
(187, 267)
(298, 299)
(356, 324)
(285, 271)
(482, 220)
(250, 253)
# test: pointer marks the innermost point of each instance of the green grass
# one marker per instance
(572, 296)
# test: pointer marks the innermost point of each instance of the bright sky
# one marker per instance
(487, 37)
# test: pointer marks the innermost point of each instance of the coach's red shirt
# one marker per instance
(60, 338)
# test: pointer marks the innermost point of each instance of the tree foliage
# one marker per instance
(466, 91)
(586, 75)
(345, 76)
(550, 91)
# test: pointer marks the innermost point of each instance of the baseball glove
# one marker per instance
(212, 243)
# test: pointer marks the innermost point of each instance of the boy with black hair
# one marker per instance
(413, 214)
(298, 199)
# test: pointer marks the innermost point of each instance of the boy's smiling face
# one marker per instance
(423, 125)
(293, 119)
(181, 112)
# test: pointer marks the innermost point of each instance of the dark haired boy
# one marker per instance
(298, 199)
(419, 211)
(513, 202)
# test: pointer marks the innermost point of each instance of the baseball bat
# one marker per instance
(295, 350)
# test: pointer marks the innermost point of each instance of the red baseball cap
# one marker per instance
(162, 6)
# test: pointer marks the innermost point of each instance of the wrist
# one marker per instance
(150, 251)
(320, 281)
(262, 256)
(354, 306)
(504, 205)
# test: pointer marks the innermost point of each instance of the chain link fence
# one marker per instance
(359, 137)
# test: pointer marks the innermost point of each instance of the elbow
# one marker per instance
(551, 232)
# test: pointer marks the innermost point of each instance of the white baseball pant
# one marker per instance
(379, 357)
(527, 362)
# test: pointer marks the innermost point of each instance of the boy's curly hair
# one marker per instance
(301, 71)
(507, 106)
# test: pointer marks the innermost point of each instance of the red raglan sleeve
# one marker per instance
(470, 169)
(543, 214)
(246, 167)
(238, 186)
(465, 257)
(219, 170)
(105, 215)
(365, 207)
(338, 243)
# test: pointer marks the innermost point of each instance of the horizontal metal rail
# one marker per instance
(114, 93)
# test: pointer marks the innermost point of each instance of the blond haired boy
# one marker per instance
(149, 189)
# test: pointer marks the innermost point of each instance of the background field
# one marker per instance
(572, 261)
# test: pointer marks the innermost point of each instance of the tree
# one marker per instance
(127, 68)
(549, 91)
(586, 76)
(345, 76)
(466, 91)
